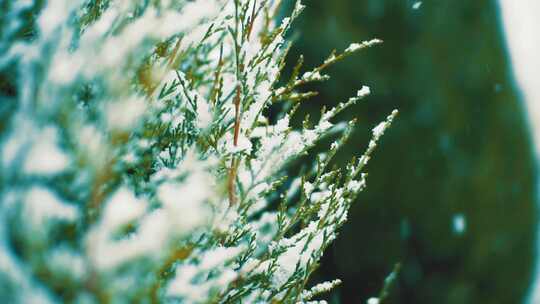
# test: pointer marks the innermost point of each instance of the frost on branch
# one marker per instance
(138, 164)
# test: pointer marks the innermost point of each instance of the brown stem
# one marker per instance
(231, 183)
(172, 57)
(251, 21)
(234, 163)
(236, 115)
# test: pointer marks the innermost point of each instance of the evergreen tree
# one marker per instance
(140, 162)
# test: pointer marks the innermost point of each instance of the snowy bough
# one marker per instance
(140, 165)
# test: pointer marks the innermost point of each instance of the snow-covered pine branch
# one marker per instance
(138, 164)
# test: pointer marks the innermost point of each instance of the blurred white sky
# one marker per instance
(521, 20)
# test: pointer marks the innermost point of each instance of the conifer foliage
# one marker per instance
(140, 165)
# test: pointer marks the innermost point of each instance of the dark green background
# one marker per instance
(460, 145)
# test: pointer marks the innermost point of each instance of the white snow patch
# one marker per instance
(122, 208)
(45, 157)
(364, 44)
(124, 114)
(373, 301)
(42, 205)
(459, 223)
(378, 131)
(364, 91)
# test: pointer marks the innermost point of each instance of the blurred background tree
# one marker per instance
(451, 189)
